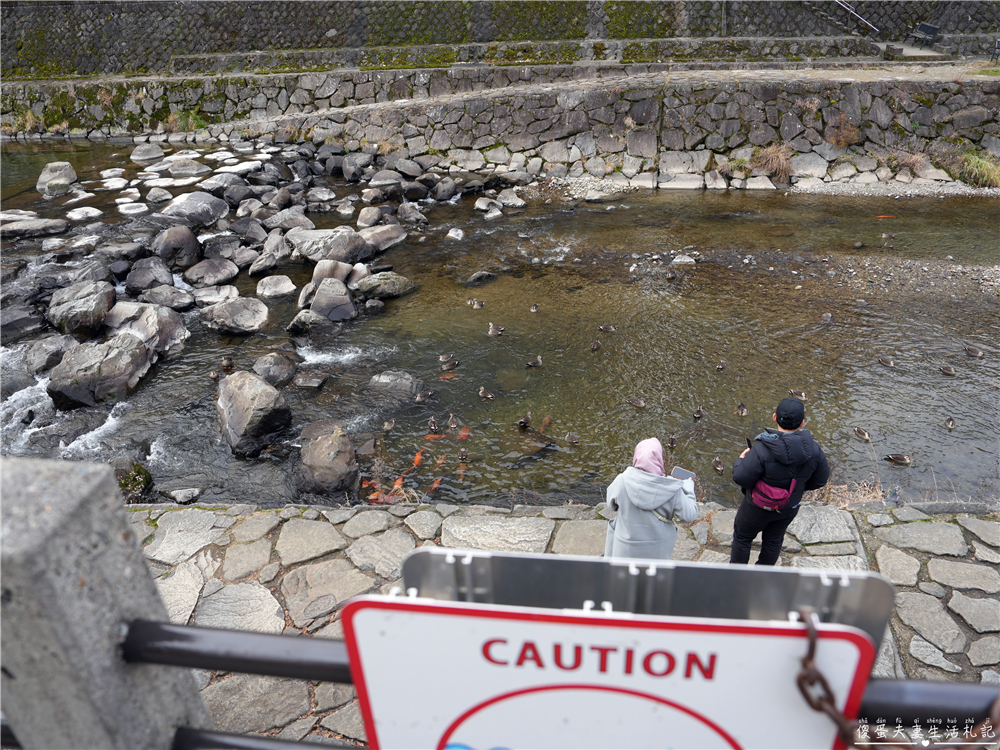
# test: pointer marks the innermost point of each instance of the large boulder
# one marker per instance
(197, 209)
(383, 237)
(333, 300)
(147, 273)
(275, 368)
(161, 329)
(18, 321)
(213, 295)
(331, 269)
(251, 412)
(385, 284)
(168, 296)
(341, 243)
(33, 228)
(271, 287)
(409, 213)
(328, 459)
(81, 308)
(187, 168)
(45, 354)
(289, 218)
(241, 315)
(354, 166)
(397, 382)
(147, 152)
(211, 272)
(95, 373)
(318, 329)
(177, 247)
(55, 170)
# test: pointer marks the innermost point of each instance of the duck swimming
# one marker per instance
(718, 465)
(445, 357)
(900, 459)
(595, 346)
(484, 394)
(886, 361)
(800, 395)
(572, 439)
(741, 410)
(496, 330)
(389, 425)
(972, 351)
(607, 329)
(698, 414)
(721, 365)
(227, 363)
(949, 422)
(524, 421)
(671, 442)
(862, 433)
(423, 396)
(536, 362)
(947, 370)
(638, 403)
(432, 424)
(478, 305)
(449, 366)
(452, 422)
(533, 308)
(213, 375)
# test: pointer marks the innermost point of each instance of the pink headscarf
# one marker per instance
(648, 456)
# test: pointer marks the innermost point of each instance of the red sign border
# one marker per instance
(861, 640)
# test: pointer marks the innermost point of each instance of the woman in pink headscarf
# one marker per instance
(646, 500)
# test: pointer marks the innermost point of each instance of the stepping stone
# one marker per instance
(934, 589)
(925, 652)
(722, 526)
(897, 566)
(711, 556)
(369, 522)
(302, 540)
(316, 590)
(424, 523)
(982, 614)
(880, 519)
(497, 533)
(384, 554)
(255, 527)
(581, 538)
(244, 559)
(253, 703)
(340, 515)
(298, 729)
(907, 514)
(347, 721)
(937, 538)
(180, 591)
(839, 548)
(242, 606)
(984, 553)
(821, 523)
(332, 695)
(685, 548)
(961, 575)
(845, 562)
(988, 531)
(928, 617)
(985, 651)
(181, 533)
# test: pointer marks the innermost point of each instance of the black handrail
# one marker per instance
(199, 739)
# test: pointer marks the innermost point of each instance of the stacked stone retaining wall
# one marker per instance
(100, 37)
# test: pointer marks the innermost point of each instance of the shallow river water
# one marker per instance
(573, 260)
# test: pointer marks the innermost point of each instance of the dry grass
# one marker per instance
(842, 133)
(28, 123)
(734, 165)
(775, 161)
(975, 168)
(843, 496)
(61, 129)
(899, 159)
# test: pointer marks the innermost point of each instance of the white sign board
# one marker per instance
(433, 674)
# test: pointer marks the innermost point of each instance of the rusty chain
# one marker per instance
(816, 691)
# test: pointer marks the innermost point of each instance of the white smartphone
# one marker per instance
(680, 473)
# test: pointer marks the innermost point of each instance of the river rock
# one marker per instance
(936, 537)
(146, 152)
(211, 272)
(358, 272)
(275, 286)
(197, 209)
(331, 269)
(341, 243)
(927, 616)
(81, 308)
(397, 383)
(168, 296)
(55, 170)
(187, 168)
(276, 369)
(18, 321)
(354, 165)
(161, 329)
(241, 315)
(409, 213)
(94, 373)
(318, 328)
(251, 412)
(315, 590)
(45, 354)
(275, 244)
(177, 247)
(147, 274)
(33, 228)
(213, 295)
(382, 237)
(369, 216)
(266, 263)
(333, 300)
(982, 614)
(497, 534)
(328, 461)
(290, 218)
(385, 285)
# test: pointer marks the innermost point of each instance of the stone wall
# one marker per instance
(99, 37)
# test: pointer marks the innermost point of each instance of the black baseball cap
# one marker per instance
(790, 413)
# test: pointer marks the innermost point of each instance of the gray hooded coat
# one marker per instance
(645, 503)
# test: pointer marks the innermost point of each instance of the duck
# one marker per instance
(721, 365)
(387, 427)
(949, 422)
(972, 351)
(423, 397)
(484, 394)
(525, 421)
(478, 305)
(432, 424)
(496, 330)
(213, 375)
(470, 301)
(741, 410)
(671, 442)
(452, 422)
(463, 455)
(449, 366)
(445, 357)
(698, 414)
(826, 317)
(718, 465)
(887, 236)
(227, 363)
(638, 403)
(800, 395)
(607, 329)
(536, 362)
(947, 370)
(886, 361)
(533, 308)
(572, 439)
(595, 346)
(900, 459)
(670, 274)
(862, 433)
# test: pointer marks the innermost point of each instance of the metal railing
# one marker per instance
(849, 9)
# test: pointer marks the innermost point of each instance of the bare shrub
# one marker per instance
(808, 105)
(60, 129)
(734, 165)
(842, 132)
(28, 123)
(899, 159)
(172, 123)
(775, 161)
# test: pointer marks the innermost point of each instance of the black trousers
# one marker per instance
(770, 524)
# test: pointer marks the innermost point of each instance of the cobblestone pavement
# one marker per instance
(290, 570)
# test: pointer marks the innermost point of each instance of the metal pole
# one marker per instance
(916, 700)
(237, 651)
(197, 739)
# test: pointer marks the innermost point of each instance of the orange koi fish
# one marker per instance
(419, 457)
(433, 436)
(375, 497)
(449, 376)
(434, 485)
(546, 422)
(885, 217)
(440, 462)
(464, 433)
(461, 473)
(398, 484)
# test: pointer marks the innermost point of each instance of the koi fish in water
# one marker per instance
(440, 462)
(432, 436)
(546, 422)
(461, 473)
(419, 457)
(398, 484)
(450, 376)
(434, 485)
(464, 433)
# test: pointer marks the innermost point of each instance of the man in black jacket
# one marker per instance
(777, 457)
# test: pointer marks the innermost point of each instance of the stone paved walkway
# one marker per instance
(290, 571)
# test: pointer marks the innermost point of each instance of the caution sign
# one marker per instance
(439, 675)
